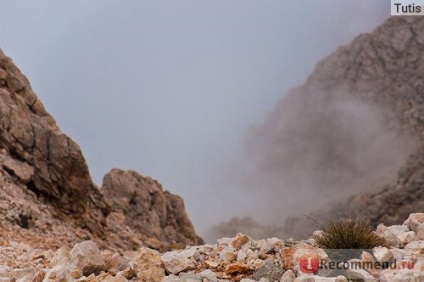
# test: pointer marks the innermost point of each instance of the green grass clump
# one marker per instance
(349, 234)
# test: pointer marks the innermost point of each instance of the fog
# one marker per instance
(313, 150)
(172, 88)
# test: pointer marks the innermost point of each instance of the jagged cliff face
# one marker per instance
(141, 204)
(46, 187)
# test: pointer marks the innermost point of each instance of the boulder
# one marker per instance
(148, 265)
(88, 258)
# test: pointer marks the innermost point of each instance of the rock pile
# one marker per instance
(231, 259)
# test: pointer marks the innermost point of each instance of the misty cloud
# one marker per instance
(313, 149)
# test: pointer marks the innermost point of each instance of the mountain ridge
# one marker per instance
(47, 188)
(347, 142)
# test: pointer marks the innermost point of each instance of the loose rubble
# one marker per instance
(231, 259)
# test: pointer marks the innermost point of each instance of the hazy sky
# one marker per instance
(168, 88)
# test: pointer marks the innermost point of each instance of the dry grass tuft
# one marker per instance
(349, 234)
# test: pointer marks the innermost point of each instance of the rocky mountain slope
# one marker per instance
(349, 141)
(47, 197)
(383, 68)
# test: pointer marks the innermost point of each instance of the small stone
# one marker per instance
(228, 255)
(341, 278)
(407, 237)
(415, 222)
(241, 256)
(116, 263)
(390, 238)
(209, 275)
(239, 241)
(269, 271)
(398, 229)
(370, 261)
(382, 254)
(175, 263)
(88, 257)
(224, 241)
(360, 275)
(58, 273)
(252, 255)
(265, 247)
(415, 245)
(288, 276)
(236, 268)
(211, 264)
(75, 272)
(398, 254)
(148, 265)
(128, 273)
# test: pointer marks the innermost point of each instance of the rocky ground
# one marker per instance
(231, 259)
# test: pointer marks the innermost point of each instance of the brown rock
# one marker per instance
(239, 241)
(148, 210)
(176, 262)
(148, 265)
(60, 172)
(88, 258)
(116, 263)
(20, 169)
(415, 222)
(237, 268)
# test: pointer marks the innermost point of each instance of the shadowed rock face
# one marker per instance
(45, 175)
(44, 160)
(31, 136)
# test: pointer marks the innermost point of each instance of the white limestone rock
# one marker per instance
(415, 222)
(175, 262)
(88, 258)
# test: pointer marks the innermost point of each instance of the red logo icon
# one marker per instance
(309, 264)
